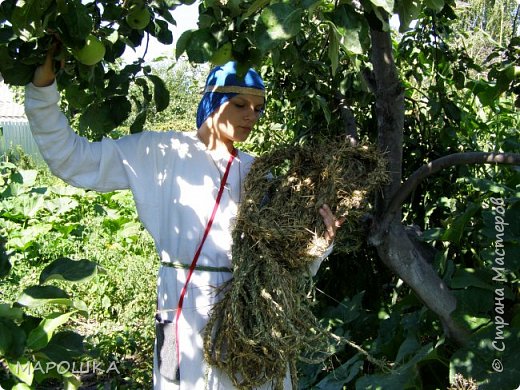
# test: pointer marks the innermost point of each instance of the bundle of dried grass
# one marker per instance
(264, 323)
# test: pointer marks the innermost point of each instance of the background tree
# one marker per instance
(184, 83)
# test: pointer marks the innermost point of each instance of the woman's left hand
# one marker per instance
(331, 222)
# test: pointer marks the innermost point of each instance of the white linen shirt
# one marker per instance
(174, 180)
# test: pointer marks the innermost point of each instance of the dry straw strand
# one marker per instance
(264, 322)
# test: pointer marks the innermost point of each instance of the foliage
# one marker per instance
(44, 221)
(498, 20)
(29, 28)
(184, 83)
(315, 56)
(25, 334)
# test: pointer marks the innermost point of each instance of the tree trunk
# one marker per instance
(390, 112)
(393, 245)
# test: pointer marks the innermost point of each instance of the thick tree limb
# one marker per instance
(437, 165)
(402, 256)
(389, 107)
(399, 254)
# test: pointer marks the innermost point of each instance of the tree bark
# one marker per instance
(389, 110)
(400, 255)
(349, 122)
(393, 245)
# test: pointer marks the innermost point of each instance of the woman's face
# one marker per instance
(234, 120)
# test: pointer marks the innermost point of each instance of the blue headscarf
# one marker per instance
(222, 84)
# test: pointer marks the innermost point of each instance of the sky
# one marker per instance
(186, 17)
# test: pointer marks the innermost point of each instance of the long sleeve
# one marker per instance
(315, 265)
(94, 165)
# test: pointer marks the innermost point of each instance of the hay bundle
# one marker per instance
(264, 323)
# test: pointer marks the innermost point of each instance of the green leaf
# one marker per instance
(64, 346)
(452, 111)
(408, 346)
(42, 295)
(282, 20)
(333, 51)
(139, 122)
(12, 339)
(69, 270)
(5, 264)
(486, 93)
(62, 205)
(478, 357)
(465, 277)
(78, 20)
(201, 46)
(77, 97)
(350, 40)
(6, 34)
(498, 227)
(80, 305)
(511, 258)
(473, 306)
(70, 381)
(15, 72)
(456, 229)
(182, 43)
(40, 336)
(432, 234)
(102, 117)
(28, 237)
(28, 176)
(22, 369)
(400, 378)
(13, 313)
(21, 386)
(348, 310)
(161, 95)
(342, 375)
(27, 18)
(163, 34)
(387, 5)
(408, 11)
(436, 5)
(325, 108)
(5, 338)
(256, 6)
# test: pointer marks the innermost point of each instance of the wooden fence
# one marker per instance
(18, 134)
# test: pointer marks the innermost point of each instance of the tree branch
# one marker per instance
(441, 163)
(389, 106)
(401, 256)
(349, 121)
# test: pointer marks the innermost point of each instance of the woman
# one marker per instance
(186, 187)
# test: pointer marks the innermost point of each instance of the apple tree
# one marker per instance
(335, 67)
(92, 36)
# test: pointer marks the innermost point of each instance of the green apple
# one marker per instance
(222, 55)
(512, 72)
(92, 52)
(138, 17)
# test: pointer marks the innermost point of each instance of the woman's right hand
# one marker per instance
(44, 74)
